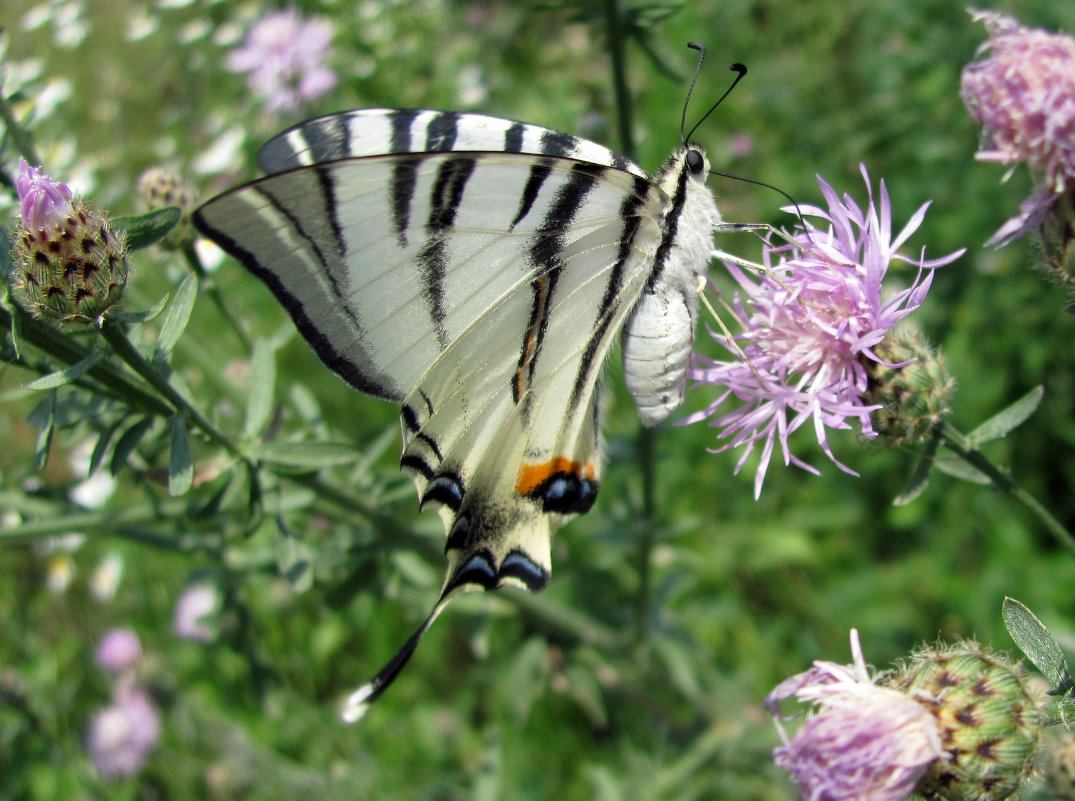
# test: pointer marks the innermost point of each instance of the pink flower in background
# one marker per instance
(197, 603)
(810, 324)
(1023, 93)
(118, 650)
(284, 56)
(123, 735)
(45, 203)
(862, 743)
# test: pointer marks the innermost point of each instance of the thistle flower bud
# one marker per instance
(911, 383)
(69, 265)
(989, 724)
(159, 188)
(1056, 243)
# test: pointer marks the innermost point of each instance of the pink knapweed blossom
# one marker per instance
(44, 203)
(284, 56)
(1022, 90)
(194, 612)
(118, 650)
(862, 742)
(809, 324)
(122, 736)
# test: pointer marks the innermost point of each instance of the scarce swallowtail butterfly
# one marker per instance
(476, 271)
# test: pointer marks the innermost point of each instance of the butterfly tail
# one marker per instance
(359, 702)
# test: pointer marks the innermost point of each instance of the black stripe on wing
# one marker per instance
(448, 189)
(545, 256)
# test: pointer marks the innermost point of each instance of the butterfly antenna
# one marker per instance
(737, 68)
(793, 201)
(690, 90)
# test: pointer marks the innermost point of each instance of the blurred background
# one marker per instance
(640, 672)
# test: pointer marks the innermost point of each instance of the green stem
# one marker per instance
(115, 335)
(20, 137)
(214, 294)
(624, 113)
(103, 522)
(956, 442)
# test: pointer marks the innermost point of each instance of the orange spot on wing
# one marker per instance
(531, 476)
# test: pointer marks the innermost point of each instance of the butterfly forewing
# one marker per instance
(379, 131)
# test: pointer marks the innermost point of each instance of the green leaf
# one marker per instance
(1004, 422)
(5, 252)
(919, 479)
(43, 418)
(144, 229)
(1038, 644)
(305, 454)
(955, 466)
(16, 326)
(101, 446)
(294, 557)
(175, 323)
(263, 384)
(124, 316)
(69, 374)
(127, 442)
(180, 465)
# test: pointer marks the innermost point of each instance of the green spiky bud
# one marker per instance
(68, 264)
(990, 726)
(159, 188)
(1054, 240)
(914, 392)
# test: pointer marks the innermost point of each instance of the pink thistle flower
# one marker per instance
(122, 736)
(118, 650)
(45, 204)
(810, 325)
(195, 606)
(285, 58)
(862, 743)
(1023, 93)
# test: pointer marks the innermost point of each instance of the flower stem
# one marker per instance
(956, 442)
(20, 137)
(115, 335)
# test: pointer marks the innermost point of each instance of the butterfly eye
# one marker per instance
(695, 162)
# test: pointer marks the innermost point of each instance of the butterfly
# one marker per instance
(476, 271)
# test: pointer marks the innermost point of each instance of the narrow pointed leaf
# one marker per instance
(124, 316)
(294, 557)
(101, 447)
(304, 454)
(5, 252)
(1038, 644)
(955, 466)
(919, 479)
(127, 442)
(144, 229)
(69, 374)
(262, 387)
(175, 322)
(180, 465)
(1004, 422)
(43, 418)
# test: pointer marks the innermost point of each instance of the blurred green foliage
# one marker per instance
(639, 672)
